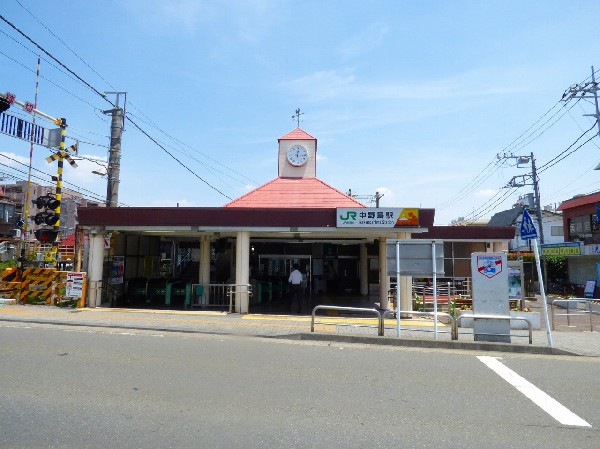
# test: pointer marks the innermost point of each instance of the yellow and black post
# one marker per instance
(62, 122)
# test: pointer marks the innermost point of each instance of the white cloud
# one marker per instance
(364, 41)
(345, 84)
(13, 159)
(485, 193)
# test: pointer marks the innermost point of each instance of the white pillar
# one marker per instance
(405, 282)
(204, 274)
(364, 270)
(95, 267)
(384, 280)
(242, 271)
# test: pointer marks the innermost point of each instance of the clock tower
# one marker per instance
(297, 156)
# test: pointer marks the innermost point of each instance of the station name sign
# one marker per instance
(377, 217)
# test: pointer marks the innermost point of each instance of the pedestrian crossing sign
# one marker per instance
(528, 230)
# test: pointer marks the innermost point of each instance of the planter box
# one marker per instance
(594, 308)
(534, 317)
(564, 305)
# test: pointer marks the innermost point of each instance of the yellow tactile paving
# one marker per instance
(341, 320)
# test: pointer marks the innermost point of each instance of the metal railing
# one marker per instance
(568, 314)
(453, 327)
(218, 295)
(348, 309)
(498, 317)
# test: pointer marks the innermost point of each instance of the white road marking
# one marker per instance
(550, 405)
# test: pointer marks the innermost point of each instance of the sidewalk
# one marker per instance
(575, 339)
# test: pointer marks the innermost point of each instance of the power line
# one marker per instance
(175, 159)
(9, 23)
(479, 212)
(564, 153)
(50, 81)
(64, 43)
(106, 99)
(96, 195)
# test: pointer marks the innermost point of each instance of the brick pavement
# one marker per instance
(575, 338)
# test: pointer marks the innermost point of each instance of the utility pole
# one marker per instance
(114, 155)
(534, 182)
(586, 90)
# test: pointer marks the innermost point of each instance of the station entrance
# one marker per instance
(161, 273)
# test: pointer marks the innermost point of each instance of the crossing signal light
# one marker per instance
(4, 104)
(46, 202)
(46, 235)
(46, 218)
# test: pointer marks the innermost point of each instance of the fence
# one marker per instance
(497, 317)
(348, 309)
(380, 318)
(221, 296)
(568, 306)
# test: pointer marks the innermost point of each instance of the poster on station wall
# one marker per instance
(74, 287)
(377, 217)
(118, 267)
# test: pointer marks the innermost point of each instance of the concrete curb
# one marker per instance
(416, 343)
(371, 340)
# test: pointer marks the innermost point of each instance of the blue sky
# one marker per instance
(410, 99)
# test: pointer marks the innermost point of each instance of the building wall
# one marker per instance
(582, 269)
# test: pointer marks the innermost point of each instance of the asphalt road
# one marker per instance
(80, 387)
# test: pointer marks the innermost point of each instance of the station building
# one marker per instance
(243, 252)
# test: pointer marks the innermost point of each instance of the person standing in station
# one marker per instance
(295, 281)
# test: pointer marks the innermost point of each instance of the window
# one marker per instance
(584, 227)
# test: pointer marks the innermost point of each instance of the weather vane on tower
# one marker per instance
(297, 116)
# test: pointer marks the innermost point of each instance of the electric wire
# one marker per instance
(13, 26)
(106, 99)
(50, 81)
(80, 79)
(149, 122)
(482, 209)
(556, 159)
(64, 43)
(175, 159)
(95, 195)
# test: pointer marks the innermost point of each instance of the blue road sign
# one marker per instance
(527, 228)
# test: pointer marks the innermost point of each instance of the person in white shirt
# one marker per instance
(295, 281)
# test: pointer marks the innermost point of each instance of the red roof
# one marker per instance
(69, 240)
(297, 134)
(295, 193)
(579, 201)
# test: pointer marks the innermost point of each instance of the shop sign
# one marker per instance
(377, 217)
(562, 249)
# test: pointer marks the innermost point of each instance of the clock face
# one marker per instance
(297, 155)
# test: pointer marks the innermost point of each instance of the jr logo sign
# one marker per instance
(489, 266)
(349, 216)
